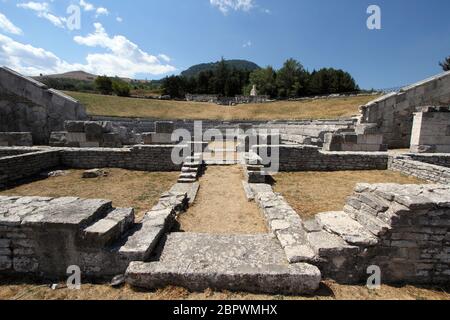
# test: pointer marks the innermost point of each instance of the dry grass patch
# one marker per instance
(282, 110)
(221, 206)
(310, 193)
(329, 291)
(137, 189)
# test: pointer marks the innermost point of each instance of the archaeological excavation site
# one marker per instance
(263, 207)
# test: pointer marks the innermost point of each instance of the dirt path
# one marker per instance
(221, 206)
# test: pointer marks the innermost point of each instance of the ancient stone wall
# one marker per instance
(402, 229)
(393, 113)
(16, 139)
(145, 158)
(439, 159)
(302, 131)
(29, 106)
(421, 170)
(431, 131)
(21, 166)
(309, 158)
(43, 236)
(18, 163)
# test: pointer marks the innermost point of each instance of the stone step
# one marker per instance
(253, 167)
(341, 224)
(147, 235)
(186, 180)
(224, 262)
(195, 164)
(187, 175)
(190, 189)
(189, 169)
(221, 150)
(193, 159)
(109, 229)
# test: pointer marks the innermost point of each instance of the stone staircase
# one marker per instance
(253, 168)
(191, 169)
(43, 236)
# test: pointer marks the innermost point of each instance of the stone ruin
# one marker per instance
(402, 229)
(29, 106)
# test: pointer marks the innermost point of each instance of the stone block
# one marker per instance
(165, 127)
(350, 230)
(74, 126)
(76, 137)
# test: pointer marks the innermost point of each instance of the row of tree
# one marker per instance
(292, 80)
(108, 86)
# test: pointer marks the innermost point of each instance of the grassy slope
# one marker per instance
(282, 110)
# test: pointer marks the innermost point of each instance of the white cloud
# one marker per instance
(164, 57)
(87, 6)
(124, 58)
(101, 11)
(43, 11)
(7, 26)
(226, 5)
(119, 19)
(30, 60)
(247, 44)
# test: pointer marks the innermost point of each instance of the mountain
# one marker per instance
(237, 64)
(75, 75)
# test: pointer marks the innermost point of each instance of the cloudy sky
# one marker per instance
(153, 38)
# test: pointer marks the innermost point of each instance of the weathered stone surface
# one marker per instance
(94, 173)
(23, 139)
(110, 228)
(201, 261)
(29, 106)
(392, 114)
(351, 231)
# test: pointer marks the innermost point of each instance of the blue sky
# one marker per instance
(153, 38)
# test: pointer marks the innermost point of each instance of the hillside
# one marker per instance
(74, 75)
(237, 64)
(282, 110)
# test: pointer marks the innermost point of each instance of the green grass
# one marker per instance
(281, 110)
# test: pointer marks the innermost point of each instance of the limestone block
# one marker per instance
(58, 139)
(5, 263)
(164, 127)
(78, 137)
(350, 230)
(89, 144)
(74, 126)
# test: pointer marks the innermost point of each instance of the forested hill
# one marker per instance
(236, 64)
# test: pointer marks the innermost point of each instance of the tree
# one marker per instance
(265, 81)
(174, 86)
(104, 85)
(120, 87)
(292, 79)
(221, 76)
(445, 64)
